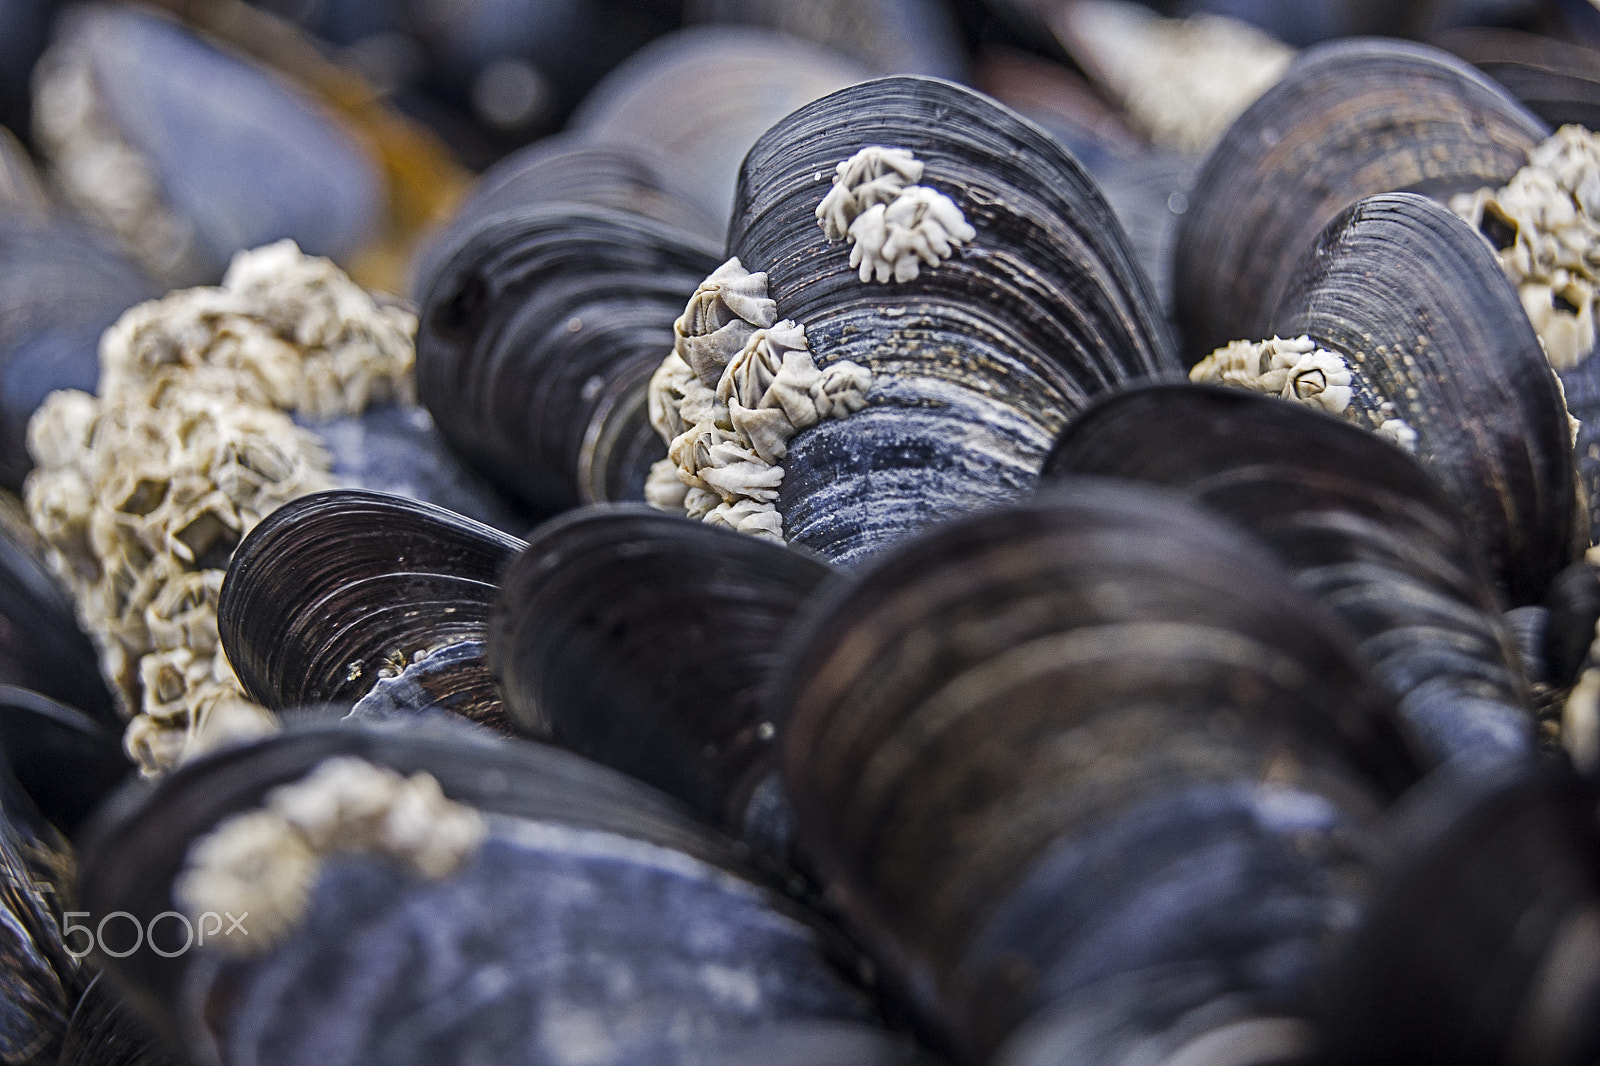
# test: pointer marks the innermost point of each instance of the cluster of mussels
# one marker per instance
(864, 636)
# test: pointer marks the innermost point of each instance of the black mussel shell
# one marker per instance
(1349, 119)
(239, 155)
(1557, 80)
(1573, 605)
(977, 363)
(537, 342)
(885, 36)
(595, 916)
(22, 195)
(396, 449)
(60, 287)
(702, 96)
(104, 1030)
(643, 640)
(41, 646)
(1482, 943)
(1091, 760)
(1413, 299)
(1580, 386)
(66, 762)
(335, 591)
(569, 168)
(1359, 523)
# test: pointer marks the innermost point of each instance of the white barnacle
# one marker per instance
(1545, 226)
(874, 175)
(724, 445)
(265, 861)
(921, 226)
(722, 313)
(1292, 369)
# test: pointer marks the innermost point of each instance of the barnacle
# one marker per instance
(726, 308)
(265, 861)
(724, 444)
(874, 175)
(143, 492)
(921, 224)
(1545, 225)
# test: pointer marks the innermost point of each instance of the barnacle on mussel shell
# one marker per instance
(1078, 768)
(643, 641)
(189, 154)
(1433, 335)
(975, 364)
(589, 919)
(1349, 119)
(1362, 527)
(349, 596)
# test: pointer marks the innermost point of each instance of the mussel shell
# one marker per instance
(584, 872)
(1414, 300)
(643, 640)
(1361, 525)
(568, 168)
(336, 588)
(65, 762)
(702, 97)
(104, 1030)
(1021, 746)
(1557, 80)
(1348, 120)
(1482, 943)
(396, 449)
(885, 36)
(60, 287)
(537, 342)
(22, 197)
(977, 363)
(41, 646)
(1580, 385)
(1573, 603)
(246, 159)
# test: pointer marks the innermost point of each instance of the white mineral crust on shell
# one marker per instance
(1295, 369)
(142, 492)
(264, 862)
(894, 225)
(725, 443)
(1549, 214)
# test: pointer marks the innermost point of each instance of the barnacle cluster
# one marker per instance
(143, 491)
(738, 385)
(99, 171)
(893, 224)
(1296, 369)
(1545, 225)
(1183, 81)
(264, 862)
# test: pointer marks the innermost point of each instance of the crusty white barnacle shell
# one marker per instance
(721, 314)
(59, 430)
(750, 373)
(921, 226)
(699, 502)
(874, 175)
(1319, 379)
(694, 450)
(255, 864)
(841, 389)
(665, 396)
(734, 472)
(748, 516)
(663, 489)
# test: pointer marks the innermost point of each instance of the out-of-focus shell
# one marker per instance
(1349, 119)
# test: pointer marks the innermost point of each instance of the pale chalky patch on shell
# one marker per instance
(142, 492)
(264, 862)
(894, 226)
(1295, 369)
(1548, 218)
(726, 439)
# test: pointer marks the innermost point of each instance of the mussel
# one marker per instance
(885, 36)
(1349, 119)
(559, 913)
(1362, 527)
(348, 594)
(1093, 780)
(644, 640)
(976, 364)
